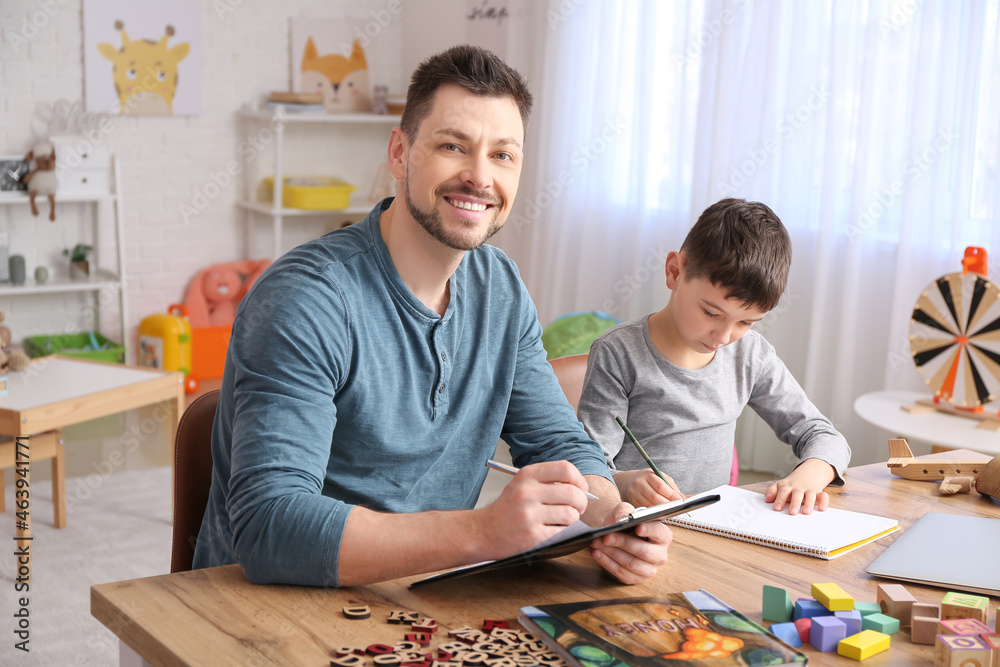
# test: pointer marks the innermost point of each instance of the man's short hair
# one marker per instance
(477, 70)
(742, 247)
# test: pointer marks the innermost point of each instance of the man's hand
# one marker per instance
(630, 558)
(643, 488)
(803, 488)
(537, 503)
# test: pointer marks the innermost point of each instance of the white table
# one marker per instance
(884, 409)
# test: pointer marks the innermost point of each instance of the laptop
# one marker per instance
(951, 551)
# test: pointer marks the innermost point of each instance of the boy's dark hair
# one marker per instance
(477, 70)
(742, 247)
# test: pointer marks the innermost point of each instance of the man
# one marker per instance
(371, 372)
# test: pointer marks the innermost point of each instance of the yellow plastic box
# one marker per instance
(317, 193)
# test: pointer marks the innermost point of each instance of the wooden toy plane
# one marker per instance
(955, 475)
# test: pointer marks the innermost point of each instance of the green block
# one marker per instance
(967, 600)
(887, 625)
(867, 608)
(777, 605)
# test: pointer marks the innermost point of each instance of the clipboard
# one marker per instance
(573, 539)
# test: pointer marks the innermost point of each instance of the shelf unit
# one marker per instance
(101, 278)
(279, 120)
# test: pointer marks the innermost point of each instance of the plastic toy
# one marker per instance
(165, 343)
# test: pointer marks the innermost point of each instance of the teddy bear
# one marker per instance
(10, 359)
(42, 180)
(216, 292)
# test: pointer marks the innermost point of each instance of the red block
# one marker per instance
(804, 626)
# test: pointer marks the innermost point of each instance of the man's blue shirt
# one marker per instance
(342, 389)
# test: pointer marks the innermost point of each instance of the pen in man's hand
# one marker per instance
(511, 470)
(645, 456)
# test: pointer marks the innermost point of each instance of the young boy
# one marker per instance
(680, 377)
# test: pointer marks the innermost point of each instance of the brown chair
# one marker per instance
(192, 477)
(570, 371)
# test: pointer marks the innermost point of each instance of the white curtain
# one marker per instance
(870, 127)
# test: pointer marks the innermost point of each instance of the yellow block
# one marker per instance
(833, 597)
(863, 645)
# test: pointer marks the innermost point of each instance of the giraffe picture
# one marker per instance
(143, 58)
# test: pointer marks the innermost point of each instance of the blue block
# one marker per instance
(826, 632)
(786, 632)
(852, 619)
(808, 608)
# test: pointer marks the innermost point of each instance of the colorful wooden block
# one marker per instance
(833, 597)
(897, 602)
(786, 632)
(923, 630)
(778, 605)
(826, 632)
(804, 625)
(852, 619)
(887, 625)
(962, 627)
(863, 645)
(964, 605)
(926, 609)
(867, 608)
(809, 609)
(993, 641)
(961, 651)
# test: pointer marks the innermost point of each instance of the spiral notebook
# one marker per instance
(743, 515)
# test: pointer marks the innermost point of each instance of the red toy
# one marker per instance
(215, 293)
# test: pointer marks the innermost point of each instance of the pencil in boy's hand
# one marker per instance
(645, 456)
(511, 470)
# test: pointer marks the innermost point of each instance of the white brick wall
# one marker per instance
(165, 160)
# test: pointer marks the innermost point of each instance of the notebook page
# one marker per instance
(743, 514)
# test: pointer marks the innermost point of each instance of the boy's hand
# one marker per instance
(803, 488)
(643, 488)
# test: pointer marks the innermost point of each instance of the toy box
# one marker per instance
(311, 192)
(208, 353)
(88, 345)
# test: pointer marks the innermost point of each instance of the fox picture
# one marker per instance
(343, 82)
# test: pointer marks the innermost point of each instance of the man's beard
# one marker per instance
(432, 223)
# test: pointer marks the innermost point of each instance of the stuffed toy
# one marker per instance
(11, 359)
(216, 292)
(42, 180)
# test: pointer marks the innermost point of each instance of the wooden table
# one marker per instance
(217, 617)
(57, 391)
